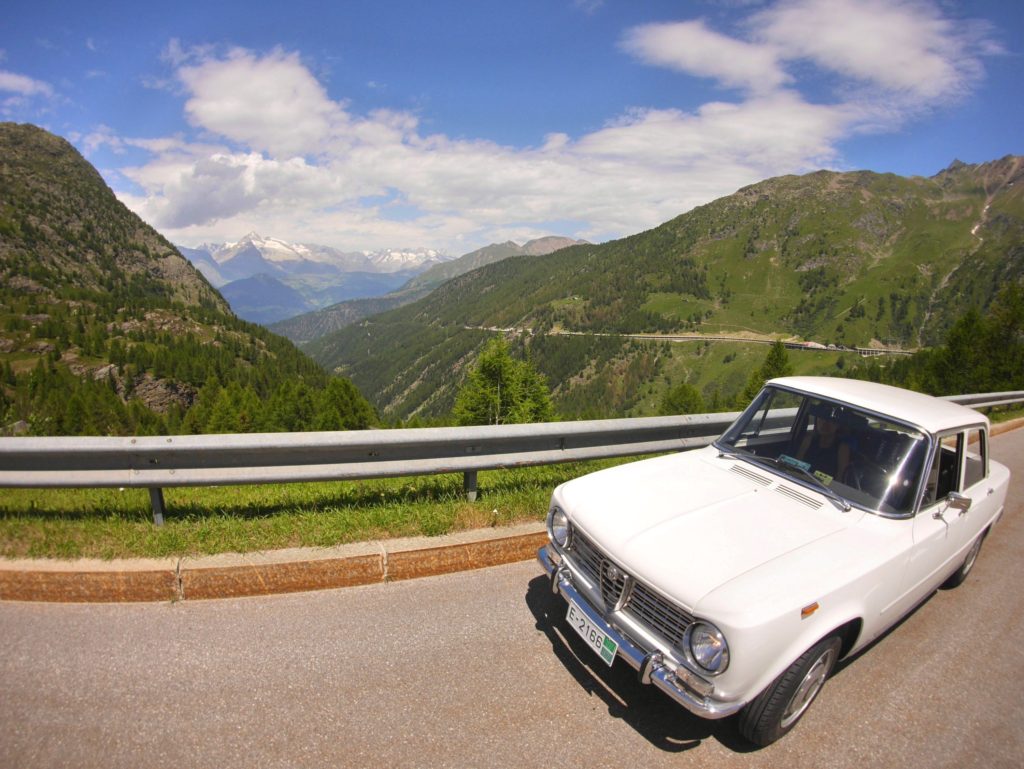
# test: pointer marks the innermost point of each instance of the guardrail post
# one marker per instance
(469, 484)
(156, 499)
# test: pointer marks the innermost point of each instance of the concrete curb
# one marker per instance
(235, 575)
(1005, 427)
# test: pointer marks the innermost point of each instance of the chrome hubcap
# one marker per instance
(808, 688)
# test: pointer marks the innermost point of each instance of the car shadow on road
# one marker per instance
(647, 710)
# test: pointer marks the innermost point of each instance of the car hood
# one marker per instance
(689, 523)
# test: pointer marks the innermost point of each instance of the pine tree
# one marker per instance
(684, 398)
(776, 364)
(340, 406)
(501, 390)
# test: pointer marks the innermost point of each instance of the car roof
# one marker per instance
(934, 415)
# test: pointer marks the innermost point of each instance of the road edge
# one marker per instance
(233, 575)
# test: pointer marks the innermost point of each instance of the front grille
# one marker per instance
(643, 604)
(586, 557)
(613, 580)
(654, 611)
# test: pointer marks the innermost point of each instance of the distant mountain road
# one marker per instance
(474, 670)
(754, 338)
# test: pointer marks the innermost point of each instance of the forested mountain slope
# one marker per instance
(104, 326)
(851, 259)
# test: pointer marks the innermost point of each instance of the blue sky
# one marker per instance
(367, 125)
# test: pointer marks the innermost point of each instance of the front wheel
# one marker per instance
(777, 709)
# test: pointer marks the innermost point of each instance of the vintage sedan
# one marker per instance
(734, 577)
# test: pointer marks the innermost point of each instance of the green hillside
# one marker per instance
(106, 329)
(847, 259)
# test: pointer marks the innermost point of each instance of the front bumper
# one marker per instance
(651, 666)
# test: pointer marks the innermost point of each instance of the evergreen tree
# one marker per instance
(502, 390)
(684, 398)
(1004, 341)
(340, 406)
(291, 408)
(982, 353)
(236, 410)
(960, 363)
(776, 364)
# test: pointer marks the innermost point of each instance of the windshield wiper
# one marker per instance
(724, 453)
(834, 496)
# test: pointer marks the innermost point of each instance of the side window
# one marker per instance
(976, 461)
(944, 475)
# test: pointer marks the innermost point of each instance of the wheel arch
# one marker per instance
(848, 634)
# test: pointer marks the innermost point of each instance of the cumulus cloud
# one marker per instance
(691, 47)
(18, 92)
(279, 154)
(270, 103)
(21, 85)
(906, 46)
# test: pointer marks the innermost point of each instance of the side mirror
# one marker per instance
(958, 502)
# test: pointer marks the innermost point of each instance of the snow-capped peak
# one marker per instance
(394, 259)
(255, 253)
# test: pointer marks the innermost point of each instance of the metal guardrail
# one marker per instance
(158, 462)
(987, 400)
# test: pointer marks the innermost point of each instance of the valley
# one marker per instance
(103, 319)
(829, 262)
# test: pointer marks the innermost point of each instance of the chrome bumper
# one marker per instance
(651, 667)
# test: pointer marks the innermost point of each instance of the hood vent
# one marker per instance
(749, 474)
(803, 499)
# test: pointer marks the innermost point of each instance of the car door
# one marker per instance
(977, 486)
(942, 530)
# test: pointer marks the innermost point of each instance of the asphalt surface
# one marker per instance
(478, 669)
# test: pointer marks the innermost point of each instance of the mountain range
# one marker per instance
(309, 326)
(844, 259)
(268, 279)
(91, 294)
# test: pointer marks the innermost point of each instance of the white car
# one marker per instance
(734, 577)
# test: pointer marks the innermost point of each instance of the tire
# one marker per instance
(776, 710)
(957, 577)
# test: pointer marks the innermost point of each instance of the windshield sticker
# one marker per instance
(786, 459)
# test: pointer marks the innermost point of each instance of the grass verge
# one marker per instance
(115, 523)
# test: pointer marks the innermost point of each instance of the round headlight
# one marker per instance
(708, 647)
(558, 526)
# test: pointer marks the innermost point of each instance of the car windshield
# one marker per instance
(850, 455)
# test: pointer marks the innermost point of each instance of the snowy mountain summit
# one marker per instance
(419, 259)
(254, 255)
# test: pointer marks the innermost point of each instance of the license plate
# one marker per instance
(594, 637)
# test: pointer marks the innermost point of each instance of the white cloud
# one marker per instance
(589, 6)
(273, 151)
(270, 103)
(906, 46)
(12, 82)
(26, 94)
(691, 47)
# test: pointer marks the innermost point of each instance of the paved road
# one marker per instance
(474, 670)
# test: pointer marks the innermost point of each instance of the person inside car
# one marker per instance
(823, 448)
